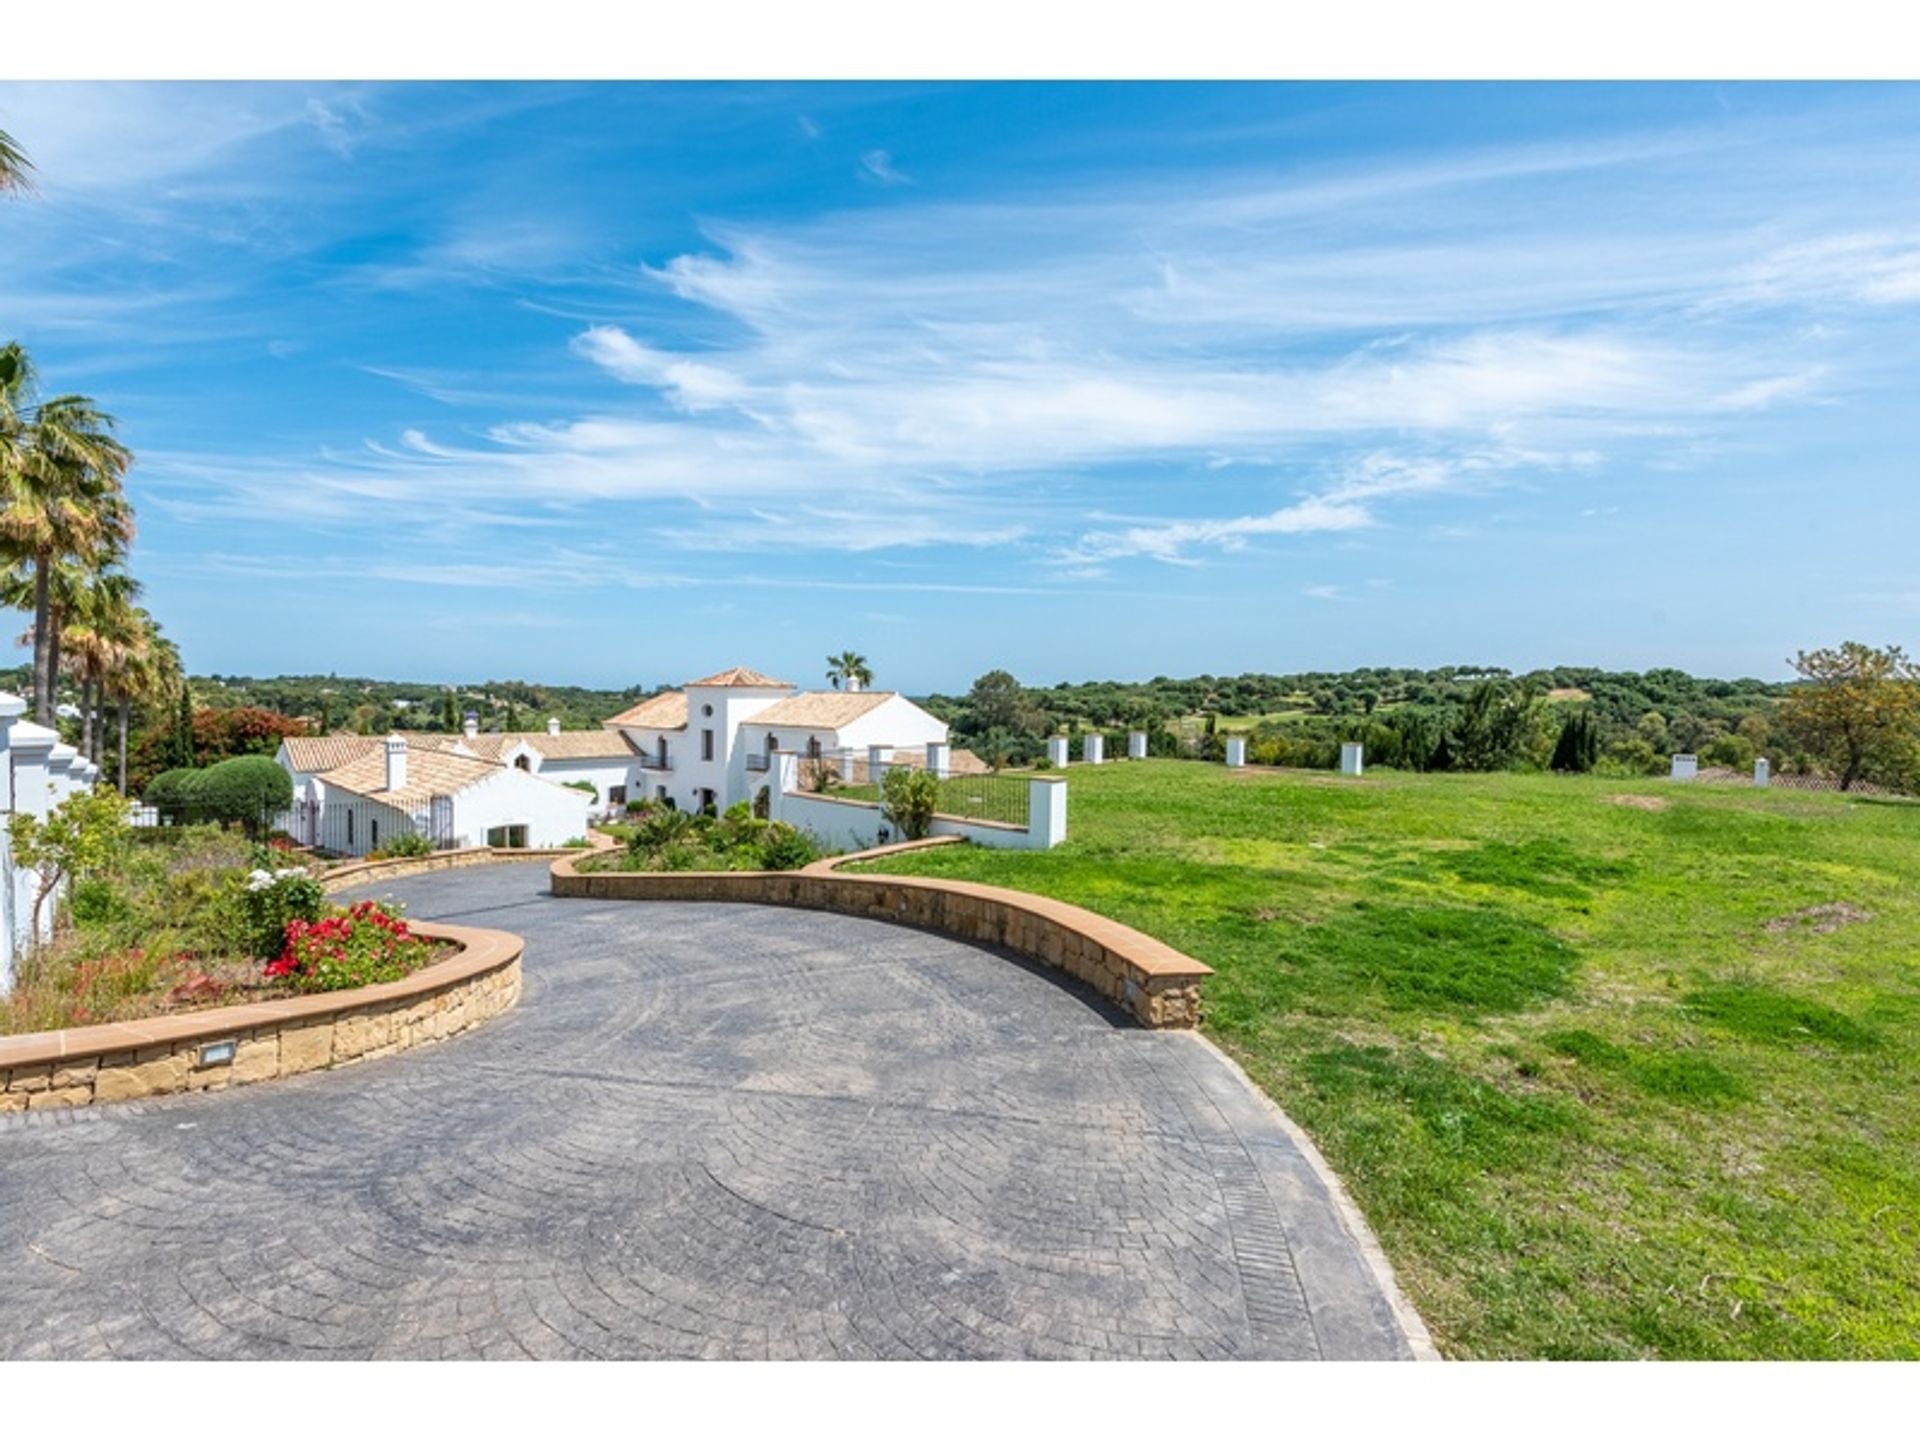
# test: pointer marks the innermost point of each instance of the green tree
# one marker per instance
(247, 790)
(1859, 711)
(908, 799)
(848, 670)
(79, 838)
(997, 701)
(1578, 747)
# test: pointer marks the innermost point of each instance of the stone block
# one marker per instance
(306, 1047)
(257, 1059)
(27, 1079)
(12, 1100)
(134, 1078)
(56, 1099)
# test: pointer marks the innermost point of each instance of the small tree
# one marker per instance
(908, 800)
(1859, 710)
(1579, 744)
(79, 838)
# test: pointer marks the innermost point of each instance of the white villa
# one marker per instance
(713, 742)
(352, 793)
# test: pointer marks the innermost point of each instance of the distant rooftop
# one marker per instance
(741, 677)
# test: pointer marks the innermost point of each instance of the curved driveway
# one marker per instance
(706, 1131)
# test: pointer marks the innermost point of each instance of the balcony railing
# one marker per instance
(656, 762)
(759, 762)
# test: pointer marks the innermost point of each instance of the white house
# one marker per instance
(360, 792)
(604, 759)
(712, 743)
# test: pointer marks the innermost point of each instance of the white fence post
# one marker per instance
(1057, 751)
(1136, 745)
(12, 707)
(1352, 758)
(939, 759)
(1762, 772)
(1046, 812)
(876, 764)
(1236, 751)
(1093, 749)
(1685, 767)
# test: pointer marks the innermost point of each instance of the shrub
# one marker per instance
(367, 945)
(170, 793)
(268, 901)
(908, 799)
(586, 785)
(407, 847)
(247, 790)
(785, 848)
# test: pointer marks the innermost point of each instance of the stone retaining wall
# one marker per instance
(139, 1058)
(366, 872)
(1155, 983)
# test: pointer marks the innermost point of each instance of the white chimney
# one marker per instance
(396, 762)
(472, 725)
(553, 725)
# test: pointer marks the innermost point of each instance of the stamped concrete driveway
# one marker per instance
(706, 1131)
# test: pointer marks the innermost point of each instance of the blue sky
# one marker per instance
(613, 384)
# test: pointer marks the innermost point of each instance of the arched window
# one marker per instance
(813, 747)
(773, 744)
(520, 763)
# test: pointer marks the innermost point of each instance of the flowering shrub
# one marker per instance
(366, 945)
(269, 899)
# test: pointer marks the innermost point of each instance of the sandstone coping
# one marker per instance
(1158, 985)
(134, 1059)
(365, 872)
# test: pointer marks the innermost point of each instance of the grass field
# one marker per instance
(1615, 1068)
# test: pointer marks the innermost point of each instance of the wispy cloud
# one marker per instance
(878, 166)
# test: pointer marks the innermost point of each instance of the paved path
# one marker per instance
(706, 1131)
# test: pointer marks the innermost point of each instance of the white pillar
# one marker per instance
(1236, 751)
(31, 748)
(1046, 812)
(1136, 745)
(1057, 751)
(470, 726)
(1093, 749)
(12, 707)
(396, 762)
(553, 725)
(1685, 767)
(1352, 758)
(60, 763)
(939, 759)
(876, 764)
(1762, 772)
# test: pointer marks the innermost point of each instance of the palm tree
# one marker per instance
(848, 670)
(151, 673)
(16, 171)
(60, 497)
(101, 635)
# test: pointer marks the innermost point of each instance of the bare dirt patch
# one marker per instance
(1638, 802)
(1818, 919)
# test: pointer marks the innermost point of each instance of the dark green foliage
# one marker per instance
(248, 790)
(1761, 1013)
(170, 792)
(1578, 747)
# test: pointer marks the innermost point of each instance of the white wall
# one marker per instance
(552, 813)
(855, 825)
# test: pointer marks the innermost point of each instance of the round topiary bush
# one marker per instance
(248, 789)
(171, 793)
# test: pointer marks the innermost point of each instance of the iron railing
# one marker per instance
(998, 797)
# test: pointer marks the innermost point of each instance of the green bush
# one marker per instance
(785, 848)
(170, 792)
(247, 790)
(908, 799)
(407, 847)
(266, 899)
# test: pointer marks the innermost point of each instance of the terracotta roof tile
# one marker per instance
(821, 709)
(429, 773)
(658, 712)
(739, 675)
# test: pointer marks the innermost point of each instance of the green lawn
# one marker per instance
(1597, 1090)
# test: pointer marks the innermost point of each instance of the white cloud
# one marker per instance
(877, 166)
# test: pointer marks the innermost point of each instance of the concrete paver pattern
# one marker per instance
(715, 1131)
